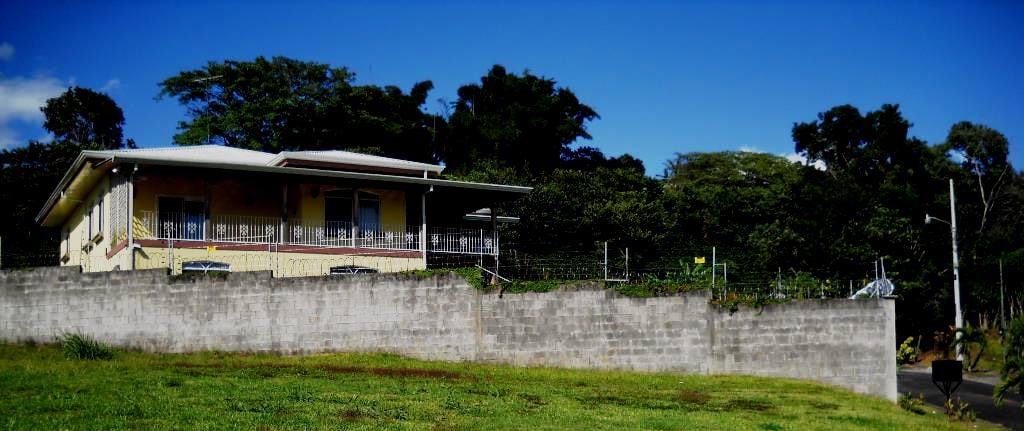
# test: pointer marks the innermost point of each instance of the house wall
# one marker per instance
(392, 203)
(77, 248)
(847, 343)
(233, 197)
(282, 264)
(245, 198)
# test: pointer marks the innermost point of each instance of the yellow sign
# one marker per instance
(698, 259)
(211, 248)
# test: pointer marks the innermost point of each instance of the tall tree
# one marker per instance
(740, 202)
(283, 104)
(86, 118)
(523, 122)
(80, 119)
(984, 153)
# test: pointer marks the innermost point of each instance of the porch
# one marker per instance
(308, 235)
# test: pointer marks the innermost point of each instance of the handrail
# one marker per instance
(244, 229)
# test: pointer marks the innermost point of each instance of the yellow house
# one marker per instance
(293, 213)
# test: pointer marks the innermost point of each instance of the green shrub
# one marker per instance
(474, 276)
(1012, 370)
(907, 353)
(959, 410)
(78, 346)
(912, 404)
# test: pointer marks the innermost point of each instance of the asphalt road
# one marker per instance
(977, 393)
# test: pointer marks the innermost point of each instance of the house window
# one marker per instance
(92, 209)
(99, 217)
(338, 212)
(369, 212)
(181, 218)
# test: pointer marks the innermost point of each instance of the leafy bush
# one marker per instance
(1012, 371)
(912, 404)
(474, 276)
(78, 346)
(973, 342)
(907, 353)
(959, 410)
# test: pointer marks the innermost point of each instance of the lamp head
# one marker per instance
(927, 219)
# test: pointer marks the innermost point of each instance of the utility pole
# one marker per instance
(956, 271)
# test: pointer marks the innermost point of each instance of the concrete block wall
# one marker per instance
(841, 342)
(844, 342)
(249, 311)
(589, 327)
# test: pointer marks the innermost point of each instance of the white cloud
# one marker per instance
(111, 85)
(792, 157)
(20, 100)
(799, 158)
(6, 51)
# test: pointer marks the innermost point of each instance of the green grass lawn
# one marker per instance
(39, 389)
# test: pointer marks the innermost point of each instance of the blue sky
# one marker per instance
(665, 77)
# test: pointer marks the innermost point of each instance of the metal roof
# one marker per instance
(350, 158)
(196, 153)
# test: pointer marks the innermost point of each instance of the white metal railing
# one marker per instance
(345, 234)
(314, 233)
(392, 237)
(172, 225)
(462, 241)
(318, 233)
(244, 229)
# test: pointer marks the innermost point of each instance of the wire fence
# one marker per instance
(723, 277)
(726, 280)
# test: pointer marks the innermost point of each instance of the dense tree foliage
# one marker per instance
(741, 203)
(284, 104)
(524, 122)
(80, 119)
(85, 118)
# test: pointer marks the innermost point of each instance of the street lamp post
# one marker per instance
(956, 266)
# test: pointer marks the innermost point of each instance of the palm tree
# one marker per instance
(1013, 379)
(965, 338)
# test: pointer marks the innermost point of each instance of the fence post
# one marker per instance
(606, 261)
(627, 264)
(713, 269)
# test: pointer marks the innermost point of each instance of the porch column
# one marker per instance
(284, 214)
(130, 234)
(207, 213)
(423, 227)
(355, 217)
(494, 238)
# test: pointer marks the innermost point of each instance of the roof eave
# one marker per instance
(332, 174)
(72, 171)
